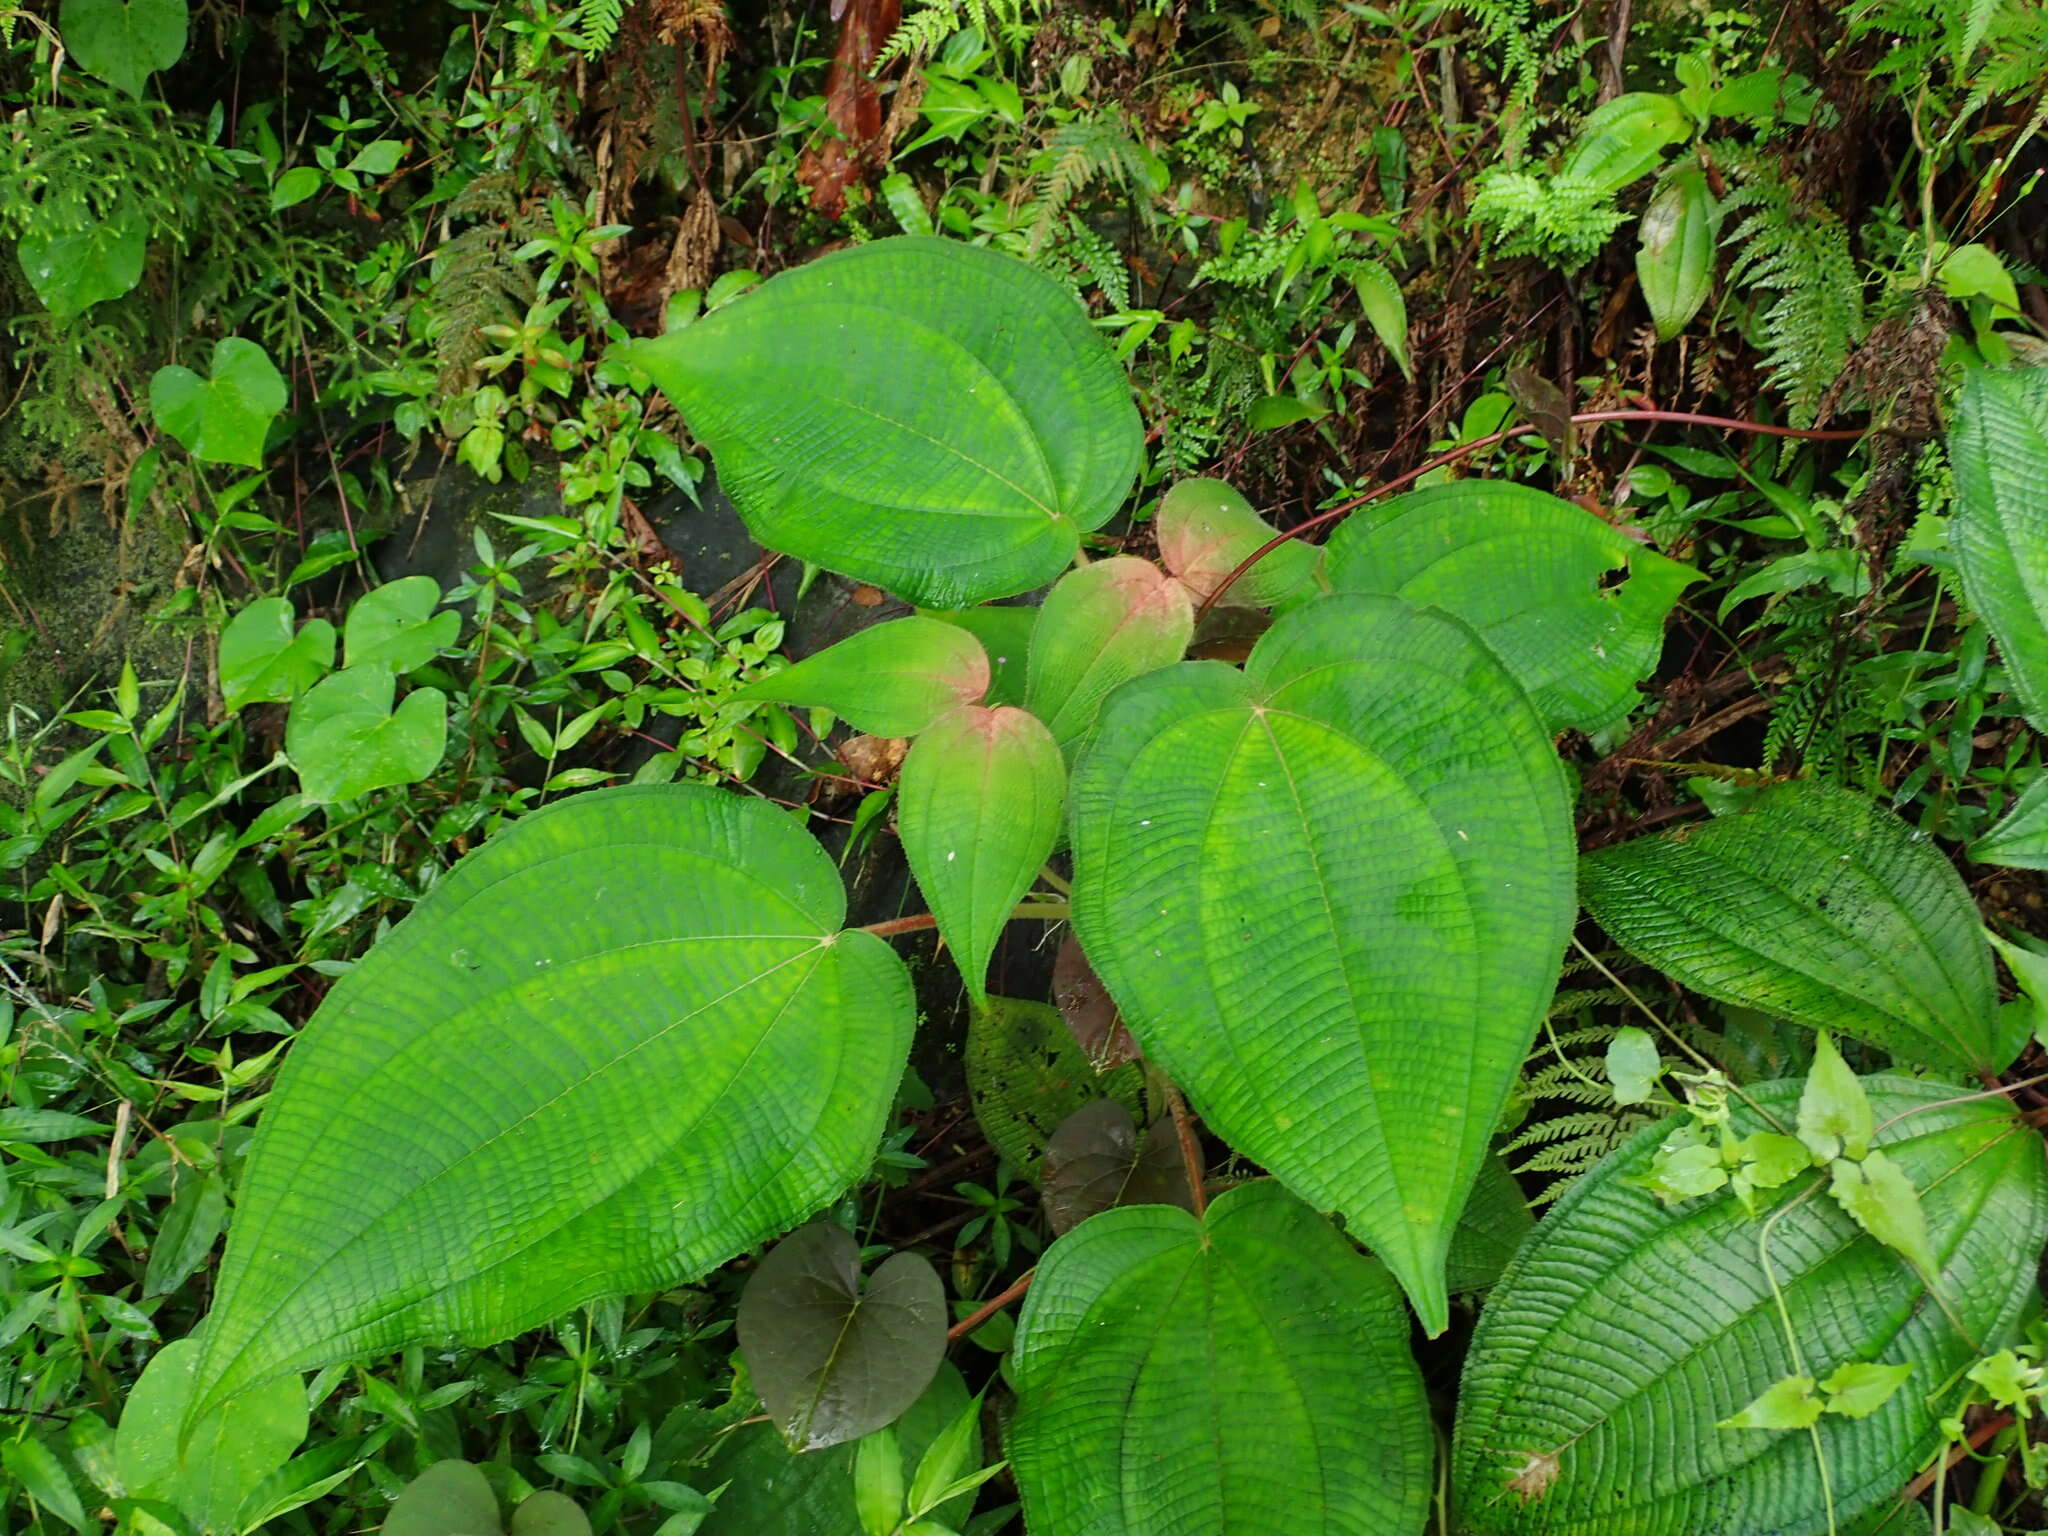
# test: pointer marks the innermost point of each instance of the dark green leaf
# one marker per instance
(124, 42)
(450, 1498)
(1027, 1076)
(1097, 1160)
(2000, 529)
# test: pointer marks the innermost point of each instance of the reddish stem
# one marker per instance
(989, 1309)
(896, 925)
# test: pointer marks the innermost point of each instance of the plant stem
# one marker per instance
(990, 1308)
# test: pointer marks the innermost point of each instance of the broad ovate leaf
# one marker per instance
(937, 418)
(1625, 1331)
(124, 42)
(394, 626)
(893, 679)
(1098, 1159)
(979, 805)
(206, 1461)
(834, 1359)
(1675, 245)
(72, 270)
(1999, 451)
(1027, 1076)
(345, 739)
(224, 417)
(620, 1043)
(1622, 139)
(1815, 905)
(1329, 894)
(450, 1498)
(1573, 607)
(1228, 1376)
(2020, 839)
(1206, 530)
(264, 658)
(1101, 626)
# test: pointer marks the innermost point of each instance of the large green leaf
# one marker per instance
(262, 657)
(1329, 894)
(124, 42)
(938, 418)
(1534, 575)
(1817, 906)
(1102, 625)
(395, 626)
(73, 270)
(2020, 840)
(1235, 1376)
(979, 802)
(224, 418)
(1625, 1331)
(1999, 450)
(619, 1044)
(208, 1463)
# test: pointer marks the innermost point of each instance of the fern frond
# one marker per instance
(597, 23)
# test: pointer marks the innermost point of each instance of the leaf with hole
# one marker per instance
(979, 805)
(1999, 533)
(205, 1453)
(124, 42)
(395, 626)
(1573, 607)
(1179, 1376)
(1814, 905)
(1206, 530)
(893, 679)
(1026, 1077)
(832, 1359)
(1101, 626)
(1303, 882)
(345, 739)
(265, 659)
(1625, 1331)
(634, 1007)
(937, 418)
(224, 417)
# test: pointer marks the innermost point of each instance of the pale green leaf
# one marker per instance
(1300, 881)
(38, 1473)
(1834, 1111)
(1814, 905)
(1975, 272)
(937, 418)
(1623, 139)
(1999, 450)
(205, 1456)
(72, 270)
(344, 738)
(1684, 1167)
(1857, 1391)
(2009, 1382)
(1247, 1373)
(1881, 1198)
(1625, 1330)
(2029, 968)
(1535, 575)
(1675, 246)
(224, 417)
(450, 1498)
(295, 186)
(832, 1359)
(893, 679)
(548, 1513)
(636, 1008)
(946, 1460)
(979, 803)
(124, 42)
(263, 658)
(1206, 530)
(1785, 1404)
(395, 626)
(1386, 311)
(1633, 1065)
(1101, 626)
(2020, 840)
(878, 1483)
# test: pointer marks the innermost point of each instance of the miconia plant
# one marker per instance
(1327, 892)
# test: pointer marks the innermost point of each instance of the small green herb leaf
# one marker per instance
(1786, 1404)
(225, 417)
(345, 739)
(1633, 1065)
(1834, 1112)
(1857, 1391)
(1881, 1199)
(263, 658)
(395, 626)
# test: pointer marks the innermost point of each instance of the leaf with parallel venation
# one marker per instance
(2020, 840)
(979, 804)
(1817, 906)
(622, 1042)
(1234, 1376)
(1101, 626)
(1534, 575)
(1027, 1075)
(894, 679)
(1999, 450)
(832, 1359)
(1329, 894)
(1206, 530)
(1676, 241)
(1625, 1331)
(937, 418)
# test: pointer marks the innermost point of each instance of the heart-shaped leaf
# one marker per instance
(979, 803)
(224, 418)
(263, 657)
(345, 739)
(1533, 574)
(1101, 626)
(1027, 1076)
(894, 679)
(76, 269)
(394, 626)
(1097, 1160)
(450, 1498)
(124, 42)
(1329, 894)
(1999, 449)
(635, 1007)
(1817, 906)
(937, 418)
(833, 1361)
(1626, 1330)
(1247, 1372)
(2020, 840)
(1206, 530)
(206, 1461)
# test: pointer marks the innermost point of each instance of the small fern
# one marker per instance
(597, 23)
(1079, 154)
(925, 30)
